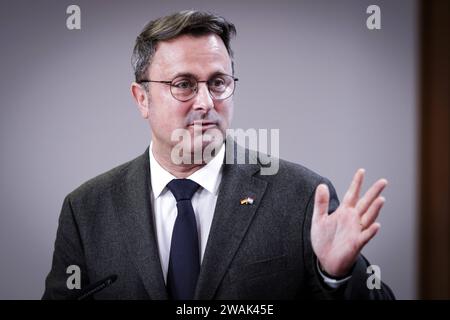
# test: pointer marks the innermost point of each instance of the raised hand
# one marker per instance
(338, 238)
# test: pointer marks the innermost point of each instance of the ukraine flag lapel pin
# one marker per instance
(247, 201)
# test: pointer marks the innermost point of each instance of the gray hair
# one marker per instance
(191, 22)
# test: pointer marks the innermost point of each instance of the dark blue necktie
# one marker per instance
(184, 261)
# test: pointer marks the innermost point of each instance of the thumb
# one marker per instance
(321, 201)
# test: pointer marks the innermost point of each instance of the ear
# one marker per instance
(140, 95)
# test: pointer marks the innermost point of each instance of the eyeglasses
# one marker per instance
(184, 88)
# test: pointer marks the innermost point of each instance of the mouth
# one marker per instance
(204, 125)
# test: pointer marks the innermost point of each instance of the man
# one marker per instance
(183, 229)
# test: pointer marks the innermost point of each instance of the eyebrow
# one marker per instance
(191, 75)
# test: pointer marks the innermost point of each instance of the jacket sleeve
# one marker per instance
(68, 251)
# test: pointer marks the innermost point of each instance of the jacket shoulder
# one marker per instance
(293, 172)
(109, 180)
(295, 178)
(290, 170)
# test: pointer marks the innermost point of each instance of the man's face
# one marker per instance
(201, 57)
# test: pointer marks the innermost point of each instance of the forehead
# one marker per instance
(200, 56)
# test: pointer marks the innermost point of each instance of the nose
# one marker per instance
(202, 99)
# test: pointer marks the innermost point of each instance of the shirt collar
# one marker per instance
(208, 176)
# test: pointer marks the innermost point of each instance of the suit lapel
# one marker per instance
(132, 199)
(230, 223)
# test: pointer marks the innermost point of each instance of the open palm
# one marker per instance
(338, 238)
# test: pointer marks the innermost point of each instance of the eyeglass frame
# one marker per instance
(169, 83)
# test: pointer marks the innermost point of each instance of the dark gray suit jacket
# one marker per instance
(258, 251)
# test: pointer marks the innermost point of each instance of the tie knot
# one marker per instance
(182, 189)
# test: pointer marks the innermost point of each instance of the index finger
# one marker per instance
(352, 195)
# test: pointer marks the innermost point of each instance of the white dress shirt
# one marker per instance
(204, 203)
(165, 206)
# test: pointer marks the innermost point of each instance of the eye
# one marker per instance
(217, 82)
(183, 84)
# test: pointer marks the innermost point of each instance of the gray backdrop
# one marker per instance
(342, 96)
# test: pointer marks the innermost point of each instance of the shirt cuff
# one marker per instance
(332, 283)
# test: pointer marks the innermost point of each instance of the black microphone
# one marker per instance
(96, 287)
